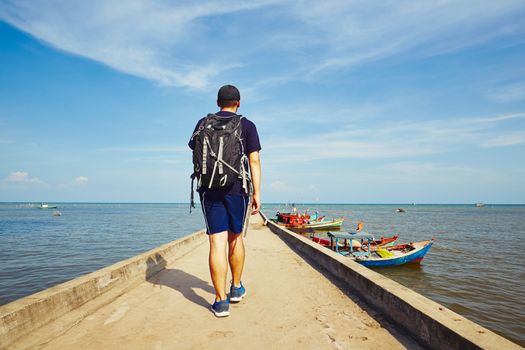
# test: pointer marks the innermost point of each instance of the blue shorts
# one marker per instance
(224, 212)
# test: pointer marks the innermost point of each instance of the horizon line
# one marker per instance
(268, 203)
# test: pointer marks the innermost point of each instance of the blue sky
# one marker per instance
(355, 102)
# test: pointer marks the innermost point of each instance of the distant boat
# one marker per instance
(400, 210)
(57, 213)
(480, 204)
(47, 206)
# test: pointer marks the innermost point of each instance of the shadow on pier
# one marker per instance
(183, 282)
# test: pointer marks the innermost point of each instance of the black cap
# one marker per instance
(228, 93)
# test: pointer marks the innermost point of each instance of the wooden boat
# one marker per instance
(325, 224)
(381, 242)
(413, 252)
(303, 221)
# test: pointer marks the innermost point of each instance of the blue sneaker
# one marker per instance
(221, 308)
(236, 294)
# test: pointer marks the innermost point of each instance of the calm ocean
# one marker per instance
(476, 267)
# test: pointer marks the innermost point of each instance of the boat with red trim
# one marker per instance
(366, 255)
(304, 221)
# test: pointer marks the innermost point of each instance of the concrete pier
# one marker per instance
(161, 299)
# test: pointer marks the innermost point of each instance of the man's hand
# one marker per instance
(255, 170)
(256, 204)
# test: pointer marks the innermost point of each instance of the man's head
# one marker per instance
(228, 97)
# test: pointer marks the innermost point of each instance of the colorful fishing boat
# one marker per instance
(381, 242)
(304, 221)
(413, 252)
(366, 255)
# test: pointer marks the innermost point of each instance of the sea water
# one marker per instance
(39, 250)
(476, 267)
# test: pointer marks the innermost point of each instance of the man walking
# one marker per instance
(222, 144)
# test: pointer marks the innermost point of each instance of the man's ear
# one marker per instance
(238, 104)
(218, 105)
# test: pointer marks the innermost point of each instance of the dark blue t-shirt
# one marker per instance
(250, 141)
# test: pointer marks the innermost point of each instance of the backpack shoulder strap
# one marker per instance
(201, 125)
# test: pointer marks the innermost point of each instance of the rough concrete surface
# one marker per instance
(289, 304)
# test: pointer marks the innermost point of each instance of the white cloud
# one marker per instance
(162, 154)
(177, 43)
(498, 118)
(22, 177)
(393, 141)
(417, 169)
(17, 176)
(149, 149)
(508, 93)
(278, 186)
(412, 175)
(143, 38)
(358, 32)
(81, 180)
(510, 139)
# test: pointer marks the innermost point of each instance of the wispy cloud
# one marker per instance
(497, 118)
(396, 140)
(418, 169)
(359, 32)
(155, 153)
(22, 177)
(278, 186)
(81, 180)
(430, 173)
(147, 149)
(166, 160)
(183, 43)
(144, 38)
(510, 139)
(508, 93)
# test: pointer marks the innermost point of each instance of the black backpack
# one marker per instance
(218, 154)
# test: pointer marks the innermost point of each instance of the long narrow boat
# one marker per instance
(321, 225)
(382, 242)
(366, 255)
(303, 221)
(397, 255)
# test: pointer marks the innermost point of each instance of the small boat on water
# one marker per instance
(480, 204)
(47, 206)
(413, 252)
(381, 242)
(57, 213)
(400, 210)
(304, 221)
(401, 254)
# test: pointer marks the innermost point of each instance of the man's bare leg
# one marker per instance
(236, 256)
(218, 263)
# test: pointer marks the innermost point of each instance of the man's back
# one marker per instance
(226, 210)
(250, 143)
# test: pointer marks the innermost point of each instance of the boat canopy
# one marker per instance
(351, 235)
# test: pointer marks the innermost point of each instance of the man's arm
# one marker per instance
(255, 171)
